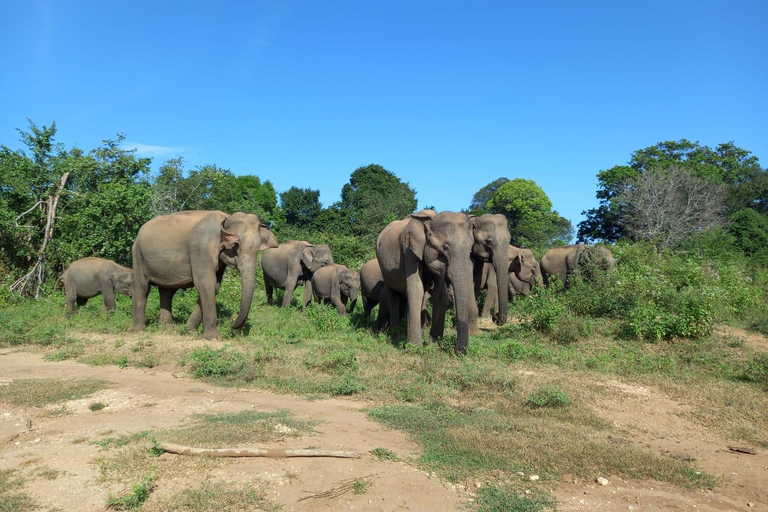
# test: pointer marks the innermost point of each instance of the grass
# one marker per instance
(42, 392)
(12, 497)
(97, 406)
(136, 497)
(521, 400)
(384, 454)
(502, 498)
(213, 495)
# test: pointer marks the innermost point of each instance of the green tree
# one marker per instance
(532, 222)
(728, 164)
(750, 230)
(301, 207)
(373, 198)
(479, 204)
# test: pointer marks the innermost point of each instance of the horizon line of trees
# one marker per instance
(670, 195)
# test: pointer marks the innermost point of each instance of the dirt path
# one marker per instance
(146, 400)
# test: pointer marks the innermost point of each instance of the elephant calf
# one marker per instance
(291, 264)
(335, 283)
(524, 273)
(563, 262)
(89, 277)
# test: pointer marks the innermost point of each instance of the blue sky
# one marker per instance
(447, 95)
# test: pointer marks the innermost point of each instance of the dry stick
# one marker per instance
(344, 487)
(276, 453)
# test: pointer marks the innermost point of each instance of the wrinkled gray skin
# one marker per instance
(336, 284)
(292, 264)
(491, 260)
(522, 275)
(374, 292)
(563, 262)
(193, 248)
(88, 277)
(420, 252)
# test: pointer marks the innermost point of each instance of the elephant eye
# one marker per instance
(447, 247)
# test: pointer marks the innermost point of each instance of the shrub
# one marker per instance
(209, 362)
(548, 397)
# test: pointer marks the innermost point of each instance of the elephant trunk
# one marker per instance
(501, 265)
(248, 279)
(461, 279)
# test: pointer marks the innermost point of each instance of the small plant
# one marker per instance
(97, 406)
(360, 485)
(384, 454)
(209, 362)
(498, 498)
(548, 397)
(134, 499)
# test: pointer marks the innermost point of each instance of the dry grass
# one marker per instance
(212, 495)
(42, 392)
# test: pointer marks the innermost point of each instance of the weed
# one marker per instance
(218, 496)
(548, 397)
(11, 496)
(42, 392)
(136, 497)
(501, 498)
(360, 485)
(215, 363)
(384, 454)
(97, 406)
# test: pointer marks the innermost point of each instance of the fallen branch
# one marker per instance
(275, 453)
(743, 449)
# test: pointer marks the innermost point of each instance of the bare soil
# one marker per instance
(34, 439)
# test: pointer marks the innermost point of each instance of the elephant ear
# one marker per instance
(229, 244)
(416, 233)
(308, 255)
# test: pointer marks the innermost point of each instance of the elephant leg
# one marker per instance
(290, 286)
(71, 299)
(270, 290)
(415, 292)
(195, 317)
(107, 294)
(340, 303)
(166, 306)
(205, 282)
(307, 296)
(139, 304)
(491, 296)
(439, 307)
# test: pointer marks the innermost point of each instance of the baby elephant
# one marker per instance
(89, 277)
(335, 283)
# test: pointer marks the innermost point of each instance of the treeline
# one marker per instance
(675, 195)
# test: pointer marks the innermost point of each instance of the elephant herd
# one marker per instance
(447, 256)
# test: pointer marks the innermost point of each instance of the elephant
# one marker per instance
(374, 292)
(292, 264)
(522, 274)
(420, 252)
(564, 262)
(490, 248)
(194, 248)
(517, 284)
(335, 283)
(88, 277)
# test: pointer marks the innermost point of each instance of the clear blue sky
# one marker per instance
(447, 95)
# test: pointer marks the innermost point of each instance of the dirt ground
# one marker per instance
(149, 399)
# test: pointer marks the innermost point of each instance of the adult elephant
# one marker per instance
(88, 277)
(194, 248)
(292, 264)
(522, 274)
(337, 284)
(564, 262)
(491, 259)
(420, 252)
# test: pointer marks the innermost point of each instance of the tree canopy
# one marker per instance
(532, 221)
(735, 167)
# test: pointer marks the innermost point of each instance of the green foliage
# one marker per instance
(479, 204)
(301, 207)
(504, 498)
(215, 363)
(757, 370)
(373, 198)
(728, 164)
(548, 397)
(532, 222)
(134, 499)
(750, 231)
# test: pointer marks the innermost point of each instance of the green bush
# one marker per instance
(757, 370)
(209, 362)
(548, 397)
